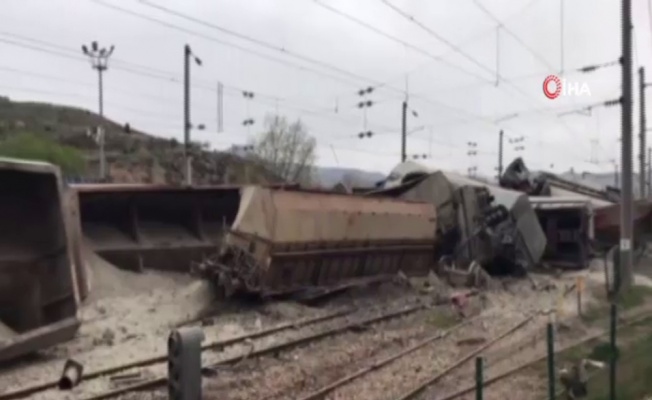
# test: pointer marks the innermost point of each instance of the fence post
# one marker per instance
(551, 361)
(580, 288)
(614, 351)
(479, 380)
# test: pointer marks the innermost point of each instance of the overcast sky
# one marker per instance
(306, 60)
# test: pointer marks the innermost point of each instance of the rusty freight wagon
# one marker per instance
(287, 241)
(40, 283)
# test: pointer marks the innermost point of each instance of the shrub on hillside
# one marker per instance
(27, 146)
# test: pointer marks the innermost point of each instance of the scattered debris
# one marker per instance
(473, 341)
(71, 375)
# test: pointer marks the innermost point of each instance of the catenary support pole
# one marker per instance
(404, 132)
(641, 137)
(501, 137)
(626, 202)
(186, 115)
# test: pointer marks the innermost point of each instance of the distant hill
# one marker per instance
(132, 156)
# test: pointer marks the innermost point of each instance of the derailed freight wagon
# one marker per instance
(477, 221)
(40, 284)
(285, 241)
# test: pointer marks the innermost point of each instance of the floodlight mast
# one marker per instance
(99, 58)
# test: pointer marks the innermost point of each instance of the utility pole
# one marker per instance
(187, 54)
(100, 61)
(220, 107)
(626, 202)
(623, 271)
(649, 171)
(404, 131)
(616, 176)
(500, 153)
(472, 152)
(364, 104)
(641, 138)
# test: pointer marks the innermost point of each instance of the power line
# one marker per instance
(224, 43)
(159, 75)
(393, 38)
(513, 35)
(439, 37)
(532, 51)
(253, 40)
(469, 39)
(285, 51)
(473, 60)
(293, 54)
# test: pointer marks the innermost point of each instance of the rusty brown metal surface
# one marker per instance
(73, 230)
(286, 240)
(154, 226)
(40, 338)
(569, 228)
(38, 284)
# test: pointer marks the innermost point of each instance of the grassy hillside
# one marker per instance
(132, 156)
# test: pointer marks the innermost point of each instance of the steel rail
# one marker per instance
(323, 391)
(503, 375)
(421, 387)
(19, 393)
(159, 381)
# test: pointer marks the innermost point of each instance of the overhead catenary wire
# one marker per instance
(384, 131)
(531, 51)
(253, 40)
(516, 88)
(234, 91)
(472, 38)
(439, 37)
(349, 81)
(364, 79)
(398, 40)
(212, 88)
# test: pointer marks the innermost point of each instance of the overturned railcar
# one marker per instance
(40, 285)
(286, 241)
(477, 221)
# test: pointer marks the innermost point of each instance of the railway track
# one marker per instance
(361, 367)
(499, 362)
(161, 358)
(317, 328)
(502, 374)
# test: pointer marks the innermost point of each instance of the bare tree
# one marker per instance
(286, 149)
